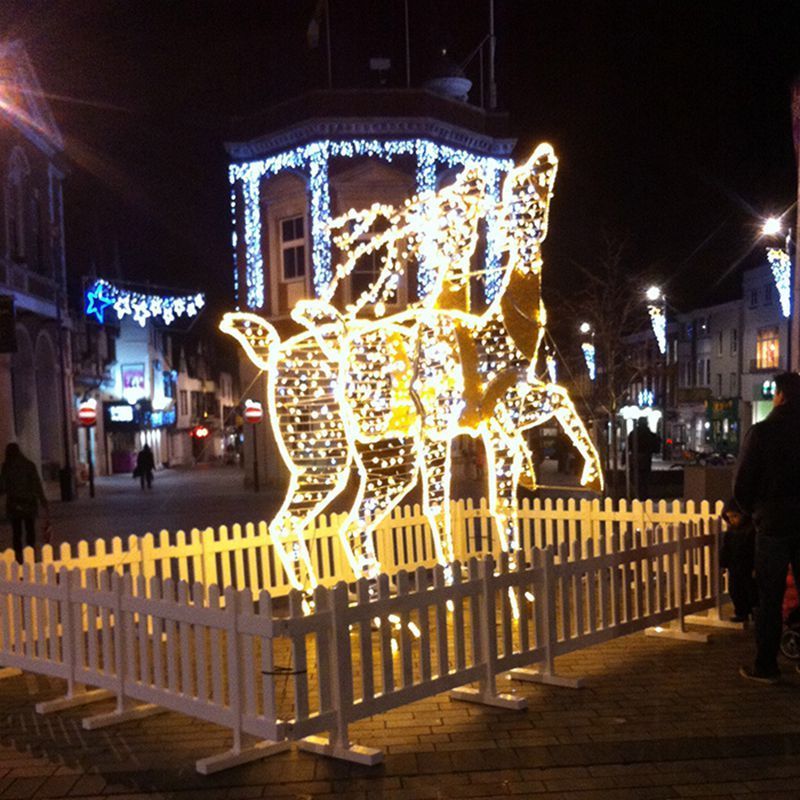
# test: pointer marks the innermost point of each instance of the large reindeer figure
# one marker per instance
(389, 395)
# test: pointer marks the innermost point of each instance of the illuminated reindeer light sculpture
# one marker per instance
(388, 395)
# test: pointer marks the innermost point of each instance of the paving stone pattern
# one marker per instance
(659, 719)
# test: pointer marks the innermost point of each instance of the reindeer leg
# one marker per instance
(541, 402)
(505, 460)
(300, 509)
(435, 469)
(387, 471)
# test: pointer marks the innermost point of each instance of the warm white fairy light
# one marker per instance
(313, 159)
(388, 395)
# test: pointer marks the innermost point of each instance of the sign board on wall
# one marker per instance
(133, 377)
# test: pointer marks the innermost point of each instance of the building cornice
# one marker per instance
(377, 127)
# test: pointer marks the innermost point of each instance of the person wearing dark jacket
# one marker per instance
(145, 464)
(642, 445)
(737, 556)
(20, 482)
(767, 487)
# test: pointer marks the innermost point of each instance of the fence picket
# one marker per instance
(268, 709)
(385, 631)
(217, 686)
(299, 666)
(439, 583)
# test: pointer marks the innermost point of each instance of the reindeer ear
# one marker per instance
(527, 190)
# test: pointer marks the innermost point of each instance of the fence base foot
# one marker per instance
(118, 717)
(713, 620)
(73, 701)
(470, 695)
(9, 672)
(369, 756)
(677, 633)
(235, 758)
(548, 678)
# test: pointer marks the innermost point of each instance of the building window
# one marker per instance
(184, 403)
(733, 385)
(768, 294)
(719, 384)
(734, 341)
(708, 372)
(753, 298)
(767, 349)
(293, 248)
(719, 343)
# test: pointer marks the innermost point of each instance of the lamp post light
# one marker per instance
(780, 261)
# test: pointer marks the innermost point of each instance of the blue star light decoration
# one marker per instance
(97, 302)
(142, 307)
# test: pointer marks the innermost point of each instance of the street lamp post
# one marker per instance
(782, 265)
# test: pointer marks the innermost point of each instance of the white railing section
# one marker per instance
(242, 556)
(156, 643)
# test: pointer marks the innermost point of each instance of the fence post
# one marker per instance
(238, 754)
(338, 670)
(546, 634)
(124, 711)
(486, 632)
(76, 694)
(677, 629)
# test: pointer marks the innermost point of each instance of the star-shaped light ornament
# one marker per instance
(140, 312)
(97, 302)
(143, 307)
(122, 305)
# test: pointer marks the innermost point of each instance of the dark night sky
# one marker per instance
(671, 118)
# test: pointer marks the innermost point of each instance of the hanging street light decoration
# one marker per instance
(387, 394)
(102, 295)
(780, 262)
(657, 309)
(588, 348)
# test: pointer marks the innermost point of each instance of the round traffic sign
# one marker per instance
(87, 413)
(253, 412)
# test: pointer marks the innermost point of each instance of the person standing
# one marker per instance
(145, 464)
(767, 488)
(642, 445)
(20, 482)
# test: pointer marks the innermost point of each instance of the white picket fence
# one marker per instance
(243, 557)
(280, 675)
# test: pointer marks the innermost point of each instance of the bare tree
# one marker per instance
(610, 300)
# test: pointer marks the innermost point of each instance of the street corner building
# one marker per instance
(34, 363)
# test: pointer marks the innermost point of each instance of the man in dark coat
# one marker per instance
(20, 482)
(145, 464)
(767, 487)
(642, 445)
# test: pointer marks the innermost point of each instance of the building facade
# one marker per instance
(35, 370)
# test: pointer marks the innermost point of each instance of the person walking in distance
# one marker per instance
(145, 464)
(20, 482)
(767, 487)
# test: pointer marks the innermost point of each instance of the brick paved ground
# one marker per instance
(658, 719)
